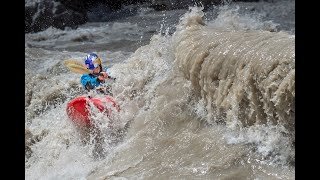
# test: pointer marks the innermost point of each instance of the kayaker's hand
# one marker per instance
(103, 76)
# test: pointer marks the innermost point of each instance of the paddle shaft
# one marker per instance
(100, 74)
(77, 67)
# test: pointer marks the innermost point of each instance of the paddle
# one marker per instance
(77, 67)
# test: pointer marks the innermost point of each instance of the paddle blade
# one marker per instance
(73, 62)
(76, 66)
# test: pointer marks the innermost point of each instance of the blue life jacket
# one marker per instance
(89, 81)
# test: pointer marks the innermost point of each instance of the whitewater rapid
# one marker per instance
(206, 101)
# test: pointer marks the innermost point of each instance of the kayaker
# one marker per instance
(92, 81)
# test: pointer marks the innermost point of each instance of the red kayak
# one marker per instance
(78, 109)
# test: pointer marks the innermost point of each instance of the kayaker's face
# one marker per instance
(96, 70)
